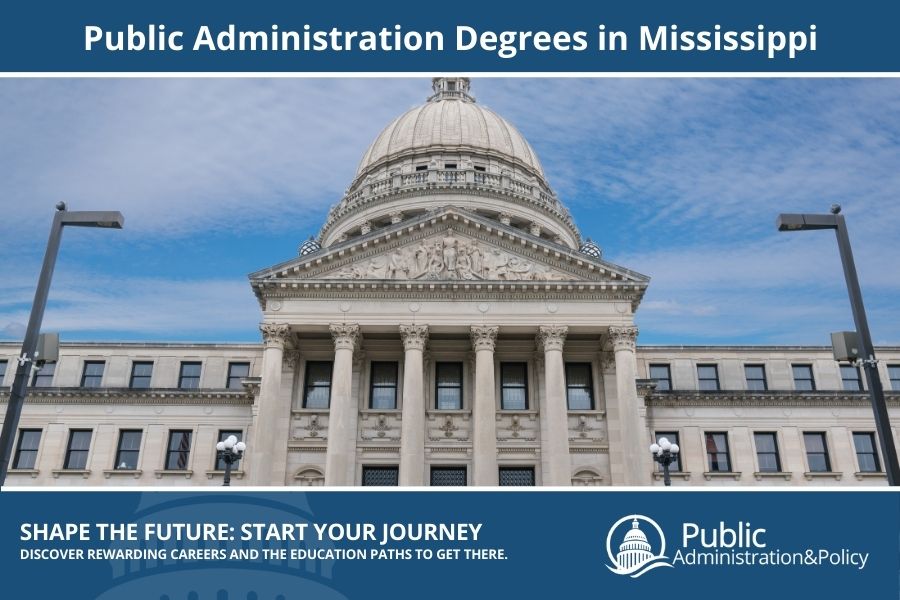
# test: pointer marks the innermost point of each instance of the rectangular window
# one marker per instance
(579, 386)
(27, 448)
(44, 376)
(141, 372)
(189, 376)
(817, 452)
(223, 435)
(672, 436)
(850, 377)
(717, 457)
(3, 365)
(767, 452)
(317, 388)
(756, 378)
(663, 376)
(866, 453)
(381, 476)
(179, 450)
(92, 375)
(517, 476)
(128, 450)
(448, 377)
(708, 378)
(421, 167)
(894, 376)
(383, 386)
(803, 378)
(236, 372)
(513, 386)
(448, 476)
(77, 449)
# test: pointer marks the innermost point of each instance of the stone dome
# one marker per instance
(450, 120)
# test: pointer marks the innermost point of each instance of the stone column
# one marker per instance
(262, 448)
(412, 439)
(484, 409)
(633, 454)
(555, 444)
(340, 459)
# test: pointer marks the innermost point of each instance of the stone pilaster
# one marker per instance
(484, 410)
(340, 459)
(555, 444)
(267, 448)
(412, 440)
(631, 462)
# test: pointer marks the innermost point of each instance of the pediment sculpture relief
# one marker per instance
(446, 257)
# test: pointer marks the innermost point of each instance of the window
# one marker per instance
(866, 453)
(717, 457)
(77, 450)
(92, 376)
(756, 378)
(767, 452)
(893, 375)
(850, 377)
(44, 376)
(513, 386)
(189, 376)
(141, 372)
(317, 389)
(803, 378)
(480, 168)
(384, 476)
(3, 366)
(27, 448)
(223, 435)
(179, 450)
(672, 436)
(441, 476)
(449, 165)
(517, 476)
(663, 376)
(579, 386)
(383, 388)
(448, 385)
(817, 452)
(128, 450)
(236, 372)
(421, 167)
(708, 378)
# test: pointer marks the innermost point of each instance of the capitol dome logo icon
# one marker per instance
(635, 555)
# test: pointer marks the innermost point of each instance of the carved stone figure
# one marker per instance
(449, 254)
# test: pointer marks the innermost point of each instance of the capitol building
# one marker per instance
(449, 325)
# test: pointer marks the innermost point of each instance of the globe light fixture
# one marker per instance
(665, 453)
(230, 451)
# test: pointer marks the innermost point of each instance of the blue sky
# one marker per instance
(680, 179)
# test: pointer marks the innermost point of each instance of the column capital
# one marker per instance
(345, 335)
(484, 337)
(275, 334)
(551, 337)
(623, 338)
(414, 336)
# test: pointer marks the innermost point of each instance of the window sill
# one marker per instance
(685, 475)
(586, 412)
(870, 475)
(234, 474)
(33, 472)
(531, 412)
(186, 473)
(83, 472)
(380, 411)
(310, 411)
(810, 475)
(136, 473)
(760, 475)
(709, 475)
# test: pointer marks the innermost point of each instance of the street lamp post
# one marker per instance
(836, 221)
(665, 453)
(27, 359)
(230, 450)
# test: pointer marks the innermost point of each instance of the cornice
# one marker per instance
(677, 399)
(129, 396)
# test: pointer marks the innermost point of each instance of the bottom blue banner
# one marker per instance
(410, 544)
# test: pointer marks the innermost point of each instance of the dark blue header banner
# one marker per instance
(293, 545)
(462, 36)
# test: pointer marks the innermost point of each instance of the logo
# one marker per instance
(635, 555)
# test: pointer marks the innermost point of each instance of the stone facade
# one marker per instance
(449, 325)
